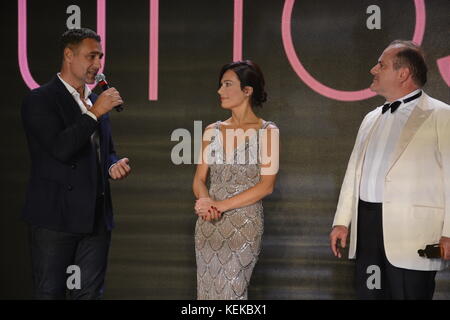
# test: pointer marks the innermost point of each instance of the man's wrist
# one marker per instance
(95, 112)
(339, 225)
(92, 115)
(110, 167)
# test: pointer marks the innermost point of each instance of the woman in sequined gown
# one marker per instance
(242, 172)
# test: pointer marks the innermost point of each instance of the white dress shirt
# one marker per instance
(381, 148)
(77, 97)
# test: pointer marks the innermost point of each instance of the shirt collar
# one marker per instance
(73, 91)
(406, 96)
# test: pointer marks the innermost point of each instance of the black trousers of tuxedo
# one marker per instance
(52, 252)
(396, 283)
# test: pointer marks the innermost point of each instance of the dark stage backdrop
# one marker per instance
(152, 253)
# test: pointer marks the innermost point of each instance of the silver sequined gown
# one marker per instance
(227, 249)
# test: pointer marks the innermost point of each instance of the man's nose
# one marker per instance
(374, 69)
(98, 63)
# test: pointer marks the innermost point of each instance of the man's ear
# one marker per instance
(404, 74)
(248, 90)
(68, 54)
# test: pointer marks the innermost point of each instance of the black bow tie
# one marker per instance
(394, 105)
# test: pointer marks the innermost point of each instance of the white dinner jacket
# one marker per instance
(416, 205)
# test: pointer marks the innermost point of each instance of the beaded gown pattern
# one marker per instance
(227, 249)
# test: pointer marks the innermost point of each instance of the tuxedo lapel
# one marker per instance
(420, 113)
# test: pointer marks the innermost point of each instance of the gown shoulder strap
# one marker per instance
(267, 123)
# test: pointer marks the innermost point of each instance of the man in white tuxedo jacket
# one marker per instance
(396, 190)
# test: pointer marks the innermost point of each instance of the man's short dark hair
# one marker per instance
(73, 37)
(411, 56)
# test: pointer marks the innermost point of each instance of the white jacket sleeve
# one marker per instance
(349, 190)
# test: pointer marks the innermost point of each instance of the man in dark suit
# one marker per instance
(68, 203)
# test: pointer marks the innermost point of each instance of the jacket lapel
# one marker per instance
(70, 110)
(420, 113)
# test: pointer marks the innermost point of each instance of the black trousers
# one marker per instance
(52, 252)
(395, 283)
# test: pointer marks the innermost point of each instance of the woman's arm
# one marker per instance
(199, 184)
(201, 173)
(250, 196)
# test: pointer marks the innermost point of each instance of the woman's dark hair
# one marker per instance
(249, 74)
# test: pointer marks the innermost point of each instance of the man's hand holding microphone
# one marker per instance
(106, 101)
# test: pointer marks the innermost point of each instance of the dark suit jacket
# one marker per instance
(62, 189)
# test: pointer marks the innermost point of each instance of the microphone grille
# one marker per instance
(100, 77)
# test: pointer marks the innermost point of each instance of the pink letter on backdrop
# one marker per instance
(22, 41)
(237, 34)
(444, 69)
(153, 49)
(316, 85)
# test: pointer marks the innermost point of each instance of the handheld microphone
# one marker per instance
(431, 251)
(101, 80)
